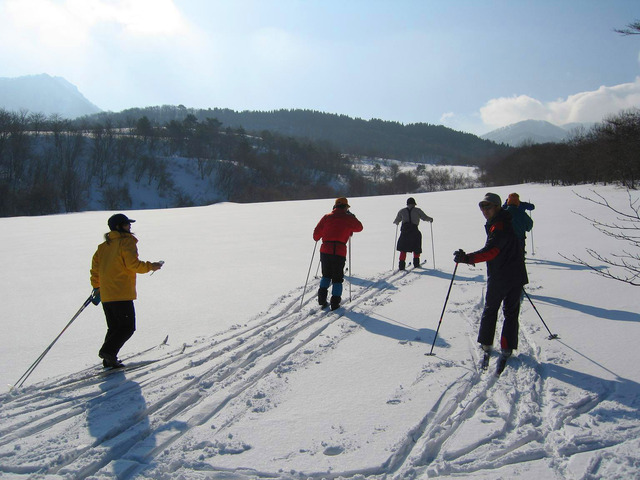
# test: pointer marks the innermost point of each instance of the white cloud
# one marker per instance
(70, 22)
(585, 107)
(41, 22)
(140, 17)
(502, 111)
(130, 42)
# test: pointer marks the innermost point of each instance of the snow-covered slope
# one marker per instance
(255, 382)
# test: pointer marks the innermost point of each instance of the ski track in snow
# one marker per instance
(216, 374)
(479, 423)
(499, 421)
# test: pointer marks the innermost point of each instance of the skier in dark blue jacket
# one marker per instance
(506, 276)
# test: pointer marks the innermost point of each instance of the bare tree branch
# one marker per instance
(625, 266)
(632, 29)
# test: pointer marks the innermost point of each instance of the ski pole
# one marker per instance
(350, 273)
(533, 247)
(307, 280)
(393, 264)
(33, 366)
(443, 309)
(551, 335)
(433, 249)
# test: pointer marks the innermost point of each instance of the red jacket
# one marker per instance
(335, 229)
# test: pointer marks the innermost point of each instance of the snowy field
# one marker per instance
(255, 382)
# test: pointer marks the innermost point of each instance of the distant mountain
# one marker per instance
(528, 131)
(44, 94)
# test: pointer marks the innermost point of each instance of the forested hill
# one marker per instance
(419, 142)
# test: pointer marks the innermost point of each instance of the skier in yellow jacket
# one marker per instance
(113, 277)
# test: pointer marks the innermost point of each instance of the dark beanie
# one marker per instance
(492, 198)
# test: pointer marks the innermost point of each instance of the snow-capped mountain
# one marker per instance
(44, 94)
(528, 131)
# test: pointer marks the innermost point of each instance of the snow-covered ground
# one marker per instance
(255, 382)
(442, 176)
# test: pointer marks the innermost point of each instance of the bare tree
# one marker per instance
(376, 172)
(625, 227)
(38, 122)
(632, 29)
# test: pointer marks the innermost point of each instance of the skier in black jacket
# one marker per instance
(506, 276)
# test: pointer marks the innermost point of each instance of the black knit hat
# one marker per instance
(411, 201)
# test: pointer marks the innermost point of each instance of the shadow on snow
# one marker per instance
(560, 265)
(619, 315)
(394, 329)
(119, 421)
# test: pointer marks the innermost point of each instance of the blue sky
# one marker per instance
(471, 65)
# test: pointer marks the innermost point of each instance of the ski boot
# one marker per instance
(110, 361)
(335, 302)
(322, 297)
(486, 356)
(502, 362)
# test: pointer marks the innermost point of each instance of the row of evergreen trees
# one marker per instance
(418, 142)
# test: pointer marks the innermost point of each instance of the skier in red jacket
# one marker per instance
(334, 229)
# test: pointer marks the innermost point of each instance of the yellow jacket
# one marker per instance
(114, 267)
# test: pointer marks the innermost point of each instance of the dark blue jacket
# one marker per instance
(522, 223)
(502, 252)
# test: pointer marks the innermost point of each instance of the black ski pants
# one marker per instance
(333, 267)
(509, 296)
(121, 323)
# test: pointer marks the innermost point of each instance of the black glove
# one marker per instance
(460, 257)
(95, 296)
